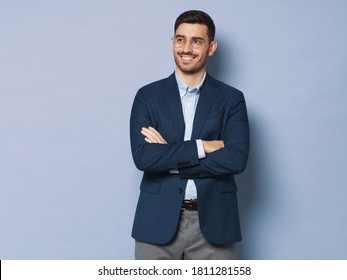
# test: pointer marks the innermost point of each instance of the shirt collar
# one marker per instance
(182, 85)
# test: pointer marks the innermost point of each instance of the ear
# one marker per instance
(212, 48)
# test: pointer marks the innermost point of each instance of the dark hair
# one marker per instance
(200, 17)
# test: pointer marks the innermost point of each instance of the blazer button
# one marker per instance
(180, 190)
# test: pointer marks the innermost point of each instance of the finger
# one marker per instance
(157, 135)
(155, 132)
(151, 135)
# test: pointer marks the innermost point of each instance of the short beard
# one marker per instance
(192, 70)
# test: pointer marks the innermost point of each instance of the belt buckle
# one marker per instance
(189, 205)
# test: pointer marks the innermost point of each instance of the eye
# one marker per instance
(179, 39)
(198, 42)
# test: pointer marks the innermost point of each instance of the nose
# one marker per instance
(187, 47)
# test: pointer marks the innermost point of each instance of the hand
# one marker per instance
(212, 146)
(152, 135)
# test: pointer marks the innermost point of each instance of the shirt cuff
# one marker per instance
(201, 152)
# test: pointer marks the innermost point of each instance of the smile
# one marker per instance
(187, 58)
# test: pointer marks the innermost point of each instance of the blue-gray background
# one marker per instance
(69, 71)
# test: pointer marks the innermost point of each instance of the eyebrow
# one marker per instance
(194, 37)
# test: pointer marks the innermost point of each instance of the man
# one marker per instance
(189, 136)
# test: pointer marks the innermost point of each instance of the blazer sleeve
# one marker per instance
(150, 157)
(232, 159)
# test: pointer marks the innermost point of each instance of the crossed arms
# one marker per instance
(153, 153)
(153, 136)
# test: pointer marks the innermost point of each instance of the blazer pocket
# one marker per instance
(150, 186)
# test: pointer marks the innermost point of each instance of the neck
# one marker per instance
(191, 79)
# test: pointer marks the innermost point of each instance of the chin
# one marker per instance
(190, 69)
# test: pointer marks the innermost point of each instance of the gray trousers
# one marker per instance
(188, 244)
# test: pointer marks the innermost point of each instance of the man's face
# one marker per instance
(192, 47)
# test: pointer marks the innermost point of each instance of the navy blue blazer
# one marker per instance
(220, 115)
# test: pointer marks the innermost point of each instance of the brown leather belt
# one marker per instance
(190, 205)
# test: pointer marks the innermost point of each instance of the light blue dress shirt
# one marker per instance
(189, 100)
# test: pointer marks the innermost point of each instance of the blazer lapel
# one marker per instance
(208, 93)
(174, 105)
